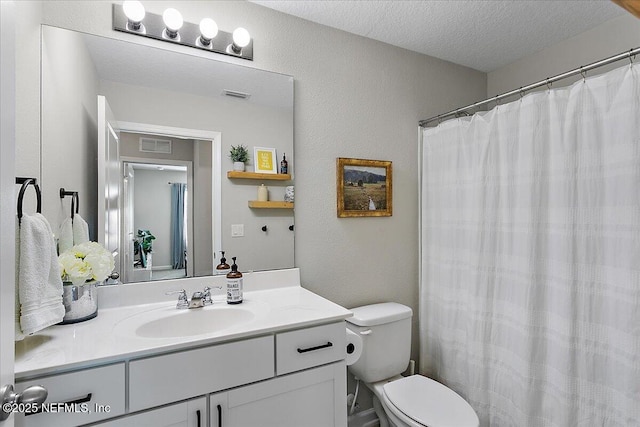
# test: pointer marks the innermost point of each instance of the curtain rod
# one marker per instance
(548, 81)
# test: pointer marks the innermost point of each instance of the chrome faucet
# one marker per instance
(183, 301)
(198, 299)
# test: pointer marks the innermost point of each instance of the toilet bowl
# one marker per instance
(413, 401)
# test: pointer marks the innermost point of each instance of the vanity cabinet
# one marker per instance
(290, 378)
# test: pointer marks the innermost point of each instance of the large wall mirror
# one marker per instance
(143, 135)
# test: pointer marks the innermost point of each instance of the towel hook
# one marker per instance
(25, 183)
(75, 200)
(264, 228)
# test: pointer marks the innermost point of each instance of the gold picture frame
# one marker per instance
(364, 187)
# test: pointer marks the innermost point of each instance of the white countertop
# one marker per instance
(109, 337)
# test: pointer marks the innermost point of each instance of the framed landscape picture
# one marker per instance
(364, 187)
(264, 160)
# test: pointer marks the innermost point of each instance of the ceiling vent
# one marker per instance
(236, 94)
(155, 145)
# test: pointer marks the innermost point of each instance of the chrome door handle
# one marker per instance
(34, 395)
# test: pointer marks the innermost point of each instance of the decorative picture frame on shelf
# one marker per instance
(364, 187)
(265, 160)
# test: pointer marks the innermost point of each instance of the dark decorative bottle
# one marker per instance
(284, 165)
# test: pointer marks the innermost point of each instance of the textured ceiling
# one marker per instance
(481, 34)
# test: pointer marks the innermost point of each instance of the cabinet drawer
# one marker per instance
(172, 377)
(99, 391)
(310, 347)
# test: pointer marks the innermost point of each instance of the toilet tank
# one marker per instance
(386, 340)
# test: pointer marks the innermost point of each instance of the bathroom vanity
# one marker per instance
(277, 359)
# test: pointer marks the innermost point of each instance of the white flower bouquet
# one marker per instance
(85, 262)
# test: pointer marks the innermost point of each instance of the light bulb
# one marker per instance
(208, 30)
(134, 11)
(241, 37)
(173, 21)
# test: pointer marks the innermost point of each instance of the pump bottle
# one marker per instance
(223, 267)
(234, 284)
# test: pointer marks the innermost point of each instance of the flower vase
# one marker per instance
(80, 301)
(238, 166)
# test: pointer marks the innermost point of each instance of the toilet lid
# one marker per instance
(430, 403)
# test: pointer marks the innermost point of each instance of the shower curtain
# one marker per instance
(178, 234)
(530, 256)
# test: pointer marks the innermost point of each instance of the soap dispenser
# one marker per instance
(223, 267)
(234, 284)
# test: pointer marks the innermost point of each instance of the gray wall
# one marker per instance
(610, 38)
(72, 88)
(181, 149)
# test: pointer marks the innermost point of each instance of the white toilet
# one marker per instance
(414, 401)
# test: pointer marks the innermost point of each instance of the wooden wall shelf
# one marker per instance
(270, 205)
(262, 176)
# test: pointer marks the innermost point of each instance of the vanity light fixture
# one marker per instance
(173, 21)
(208, 31)
(241, 38)
(134, 11)
(131, 17)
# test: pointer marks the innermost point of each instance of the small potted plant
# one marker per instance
(143, 246)
(239, 155)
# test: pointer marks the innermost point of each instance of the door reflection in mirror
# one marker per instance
(158, 200)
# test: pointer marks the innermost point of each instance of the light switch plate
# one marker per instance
(237, 230)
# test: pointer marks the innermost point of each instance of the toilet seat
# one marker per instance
(428, 403)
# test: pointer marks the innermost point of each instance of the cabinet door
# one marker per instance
(192, 413)
(312, 398)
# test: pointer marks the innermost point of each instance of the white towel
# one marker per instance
(80, 230)
(65, 236)
(39, 282)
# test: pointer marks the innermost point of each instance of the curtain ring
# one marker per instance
(497, 101)
(583, 74)
(548, 84)
(521, 93)
(631, 57)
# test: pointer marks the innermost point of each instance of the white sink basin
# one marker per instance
(169, 322)
(194, 322)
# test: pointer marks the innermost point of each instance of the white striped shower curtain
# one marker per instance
(530, 256)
